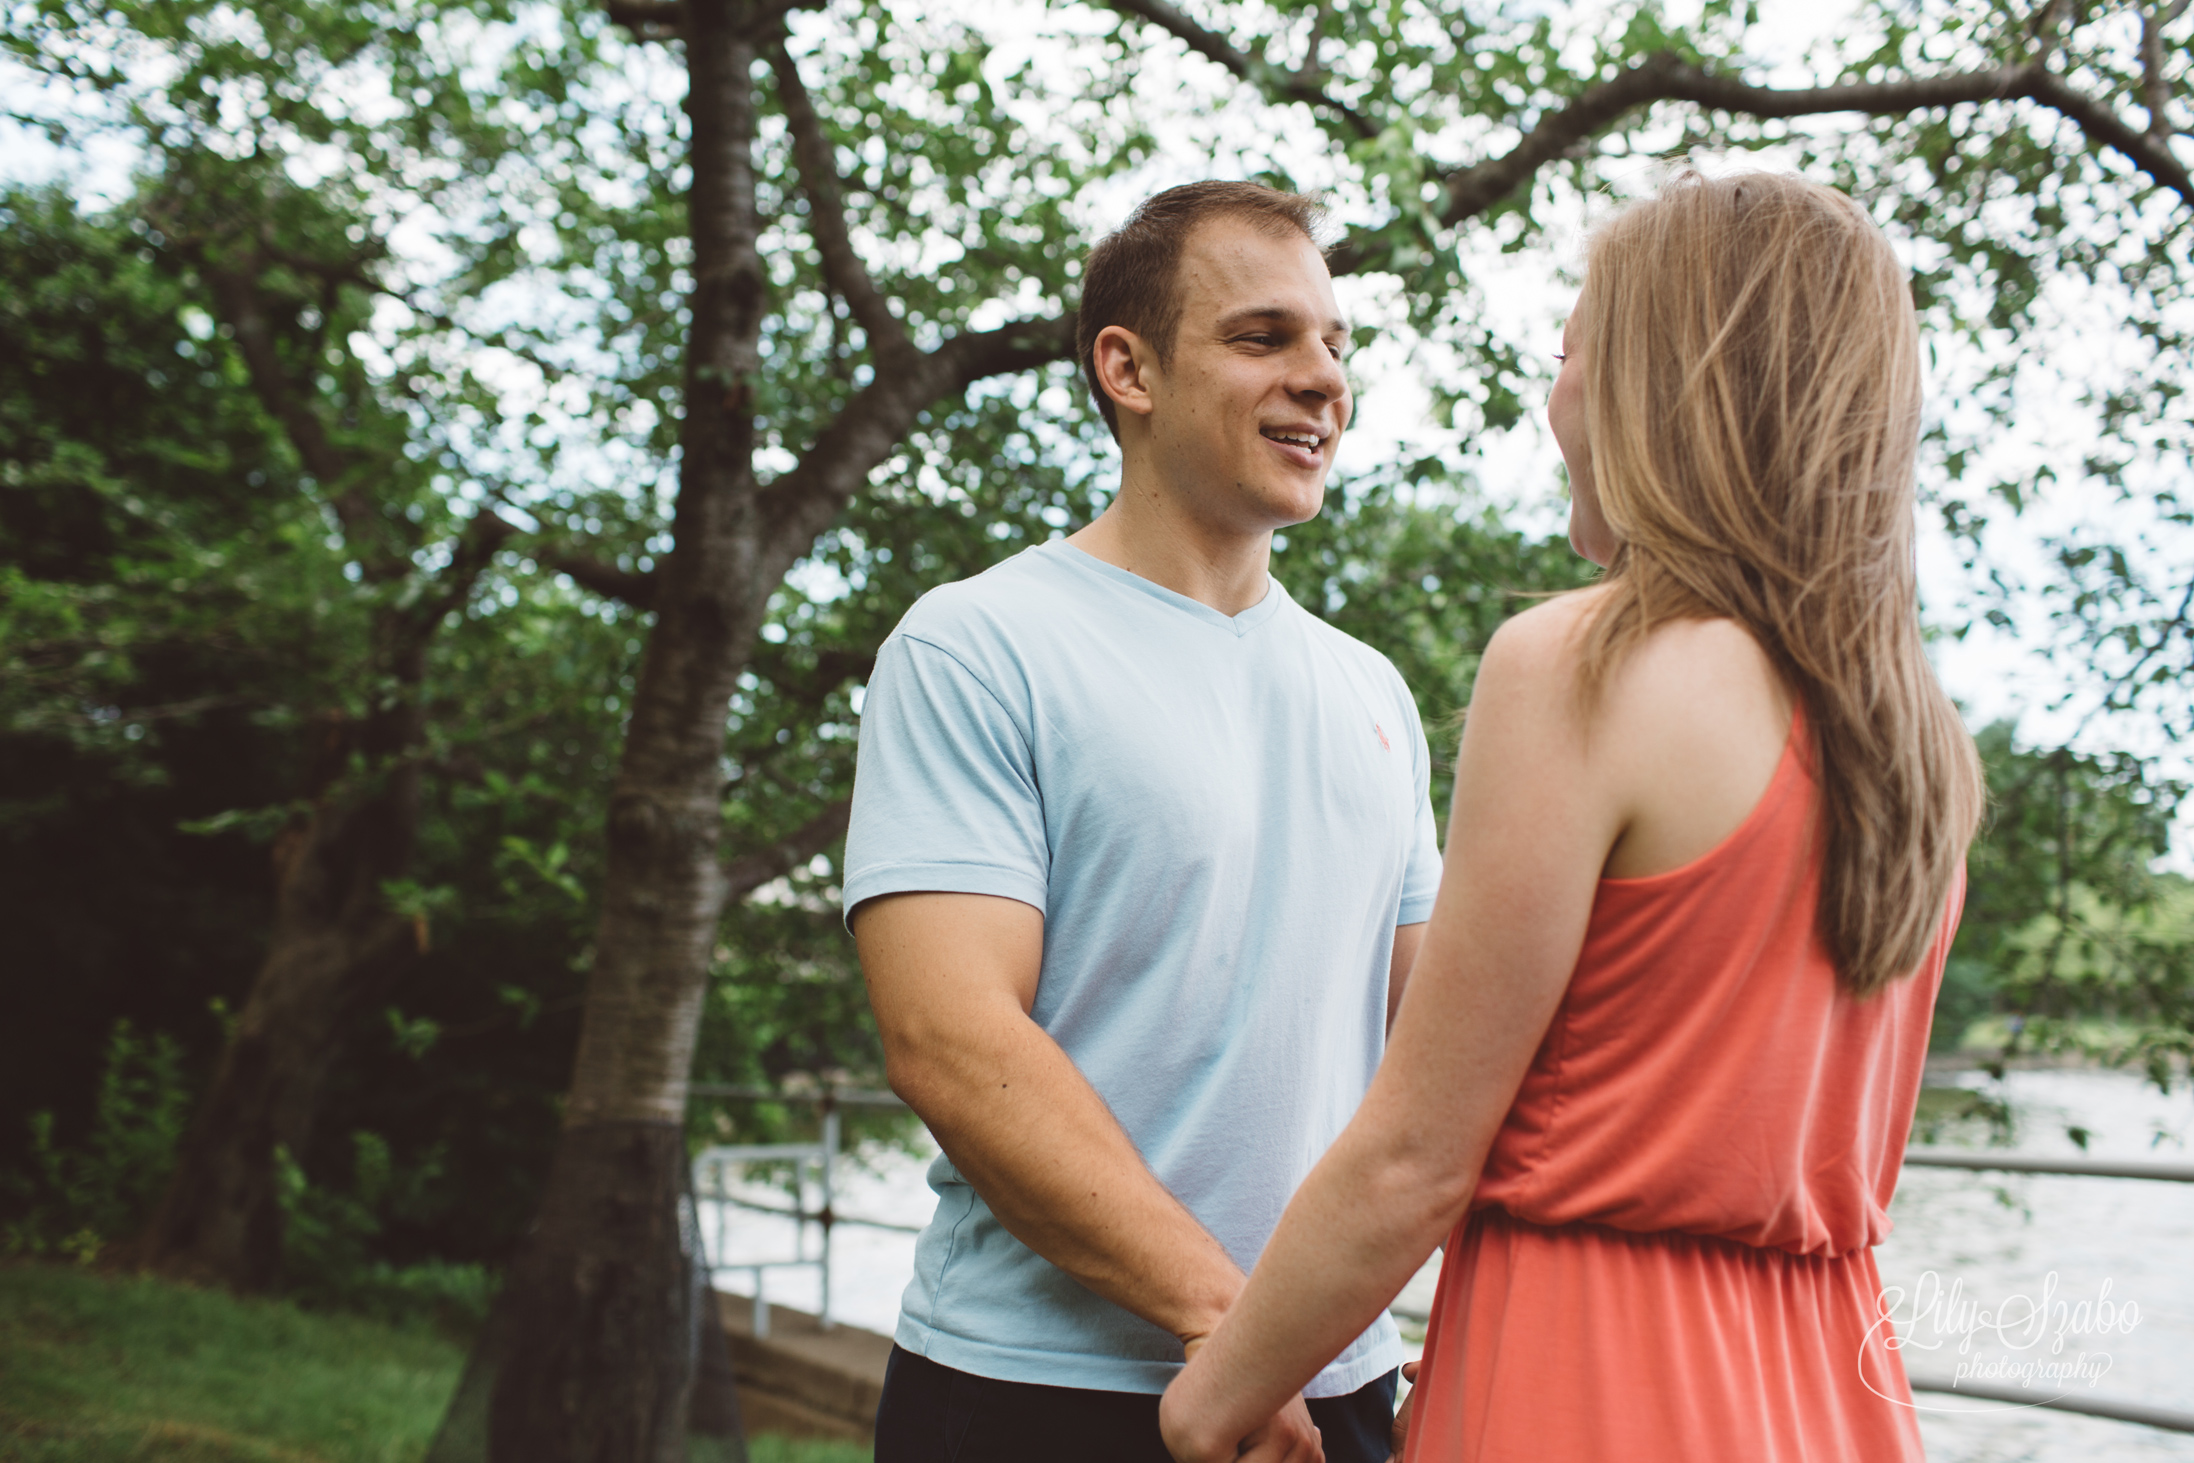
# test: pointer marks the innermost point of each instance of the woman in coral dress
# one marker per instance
(1653, 1071)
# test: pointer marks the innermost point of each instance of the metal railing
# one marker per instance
(2116, 1409)
(1983, 1161)
(813, 1164)
(710, 1187)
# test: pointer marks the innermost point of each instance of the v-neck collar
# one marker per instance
(1238, 625)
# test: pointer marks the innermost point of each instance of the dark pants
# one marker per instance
(933, 1414)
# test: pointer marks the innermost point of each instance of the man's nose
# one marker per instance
(1318, 374)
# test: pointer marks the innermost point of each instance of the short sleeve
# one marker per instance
(944, 792)
(1421, 877)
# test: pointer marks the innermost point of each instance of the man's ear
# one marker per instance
(1127, 368)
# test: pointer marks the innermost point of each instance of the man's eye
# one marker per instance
(1560, 356)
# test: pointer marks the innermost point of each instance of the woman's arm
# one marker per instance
(1531, 827)
(1548, 796)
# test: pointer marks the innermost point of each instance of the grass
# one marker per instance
(768, 1449)
(104, 1369)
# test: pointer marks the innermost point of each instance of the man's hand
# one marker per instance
(1400, 1435)
(1291, 1437)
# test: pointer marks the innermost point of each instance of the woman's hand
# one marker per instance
(1288, 1436)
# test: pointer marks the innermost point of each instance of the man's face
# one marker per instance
(1248, 412)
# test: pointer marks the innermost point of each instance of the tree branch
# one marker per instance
(809, 689)
(2155, 87)
(1308, 70)
(233, 266)
(819, 179)
(1020, 346)
(2043, 28)
(240, 303)
(635, 587)
(1281, 85)
(475, 548)
(2126, 685)
(749, 872)
(801, 503)
(236, 297)
(1665, 77)
(2102, 125)
(649, 20)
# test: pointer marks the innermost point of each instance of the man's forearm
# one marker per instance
(1023, 1125)
(952, 978)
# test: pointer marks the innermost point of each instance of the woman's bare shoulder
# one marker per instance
(1546, 635)
(1674, 750)
(1695, 671)
(1683, 672)
(1693, 727)
(1533, 659)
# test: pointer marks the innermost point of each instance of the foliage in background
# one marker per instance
(2067, 920)
(74, 1201)
(178, 628)
(2031, 161)
(155, 626)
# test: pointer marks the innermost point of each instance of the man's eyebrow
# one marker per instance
(1278, 314)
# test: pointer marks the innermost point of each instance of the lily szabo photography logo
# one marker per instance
(2043, 1344)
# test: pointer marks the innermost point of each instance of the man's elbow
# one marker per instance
(907, 1071)
(923, 1065)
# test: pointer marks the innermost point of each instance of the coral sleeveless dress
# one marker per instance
(1669, 1253)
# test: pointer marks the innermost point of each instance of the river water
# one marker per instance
(1963, 1242)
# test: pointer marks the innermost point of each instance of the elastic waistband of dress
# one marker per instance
(1677, 1239)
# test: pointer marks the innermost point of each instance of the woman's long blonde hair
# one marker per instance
(1752, 404)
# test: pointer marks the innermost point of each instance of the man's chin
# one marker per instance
(1302, 505)
(1269, 507)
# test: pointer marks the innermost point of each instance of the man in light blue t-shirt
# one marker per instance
(1139, 857)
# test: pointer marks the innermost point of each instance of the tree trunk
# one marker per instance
(597, 1350)
(599, 1362)
(605, 1276)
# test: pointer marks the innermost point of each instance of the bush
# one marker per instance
(76, 1201)
(1968, 993)
(328, 1237)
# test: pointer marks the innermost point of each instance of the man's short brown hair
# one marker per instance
(1132, 277)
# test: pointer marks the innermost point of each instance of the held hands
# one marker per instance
(1288, 1436)
(1185, 1417)
(1399, 1438)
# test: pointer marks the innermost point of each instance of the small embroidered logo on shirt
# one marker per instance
(1384, 744)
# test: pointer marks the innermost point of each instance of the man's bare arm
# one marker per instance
(952, 978)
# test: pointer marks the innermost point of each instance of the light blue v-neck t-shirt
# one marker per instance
(1222, 821)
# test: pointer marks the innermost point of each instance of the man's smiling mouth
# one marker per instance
(1308, 441)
